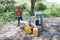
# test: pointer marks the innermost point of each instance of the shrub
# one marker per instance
(55, 13)
(40, 7)
(52, 13)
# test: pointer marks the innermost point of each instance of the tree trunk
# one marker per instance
(32, 6)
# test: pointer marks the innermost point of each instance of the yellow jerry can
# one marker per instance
(35, 32)
(28, 29)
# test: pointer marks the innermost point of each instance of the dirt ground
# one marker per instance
(10, 31)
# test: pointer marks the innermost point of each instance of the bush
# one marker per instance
(7, 17)
(24, 15)
(25, 7)
(40, 7)
(55, 13)
(7, 5)
(52, 13)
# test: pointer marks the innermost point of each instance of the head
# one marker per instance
(19, 8)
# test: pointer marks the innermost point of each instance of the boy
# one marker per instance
(19, 14)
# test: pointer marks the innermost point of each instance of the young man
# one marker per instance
(19, 14)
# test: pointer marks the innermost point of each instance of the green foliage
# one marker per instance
(40, 7)
(7, 11)
(24, 15)
(7, 5)
(53, 10)
(7, 17)
(47, 13)
(25, 7)
(52, 13)
(55, 13)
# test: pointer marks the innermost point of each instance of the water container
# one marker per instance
(37, 22)
(35, 32)
(28, 29)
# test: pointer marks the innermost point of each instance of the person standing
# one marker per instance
(19, 14)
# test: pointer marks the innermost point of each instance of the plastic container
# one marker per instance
(37, 22)
(28, 30)
(35, 32)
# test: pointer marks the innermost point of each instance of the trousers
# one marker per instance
(19, 18)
